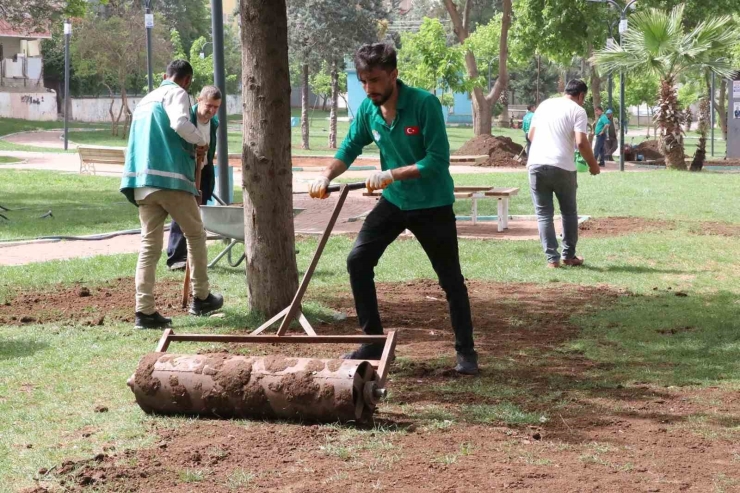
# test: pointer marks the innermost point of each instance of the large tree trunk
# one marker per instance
(483, 103)
(503, 119)
(671, 133)
(595, 80)
(334, 105)
(304, 106)
(703, 127)
(721, 108)
(269, 237)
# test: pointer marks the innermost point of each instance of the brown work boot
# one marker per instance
(553, 265)
(573, 262)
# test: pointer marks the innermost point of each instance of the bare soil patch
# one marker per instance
(595, 437)
(501, 151)
(617, 226)
(99, 304)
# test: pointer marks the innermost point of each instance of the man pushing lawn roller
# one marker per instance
(159, 177)
(408, 127)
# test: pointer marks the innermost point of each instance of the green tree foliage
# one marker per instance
(426, 61)
(37, 15)
(658, 43)
(191, 18)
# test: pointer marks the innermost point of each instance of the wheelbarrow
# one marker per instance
(227, 221)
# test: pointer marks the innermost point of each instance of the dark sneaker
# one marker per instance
(178, 265)
(366, 351)
(153, 321)
(212, 303)
(467, 364)
(573, 262)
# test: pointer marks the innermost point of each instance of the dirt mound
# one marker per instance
(111, 301)
(501, 151)
(649, 149)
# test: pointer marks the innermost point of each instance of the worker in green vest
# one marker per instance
(526, 125)
(159, 178)
(408, 127)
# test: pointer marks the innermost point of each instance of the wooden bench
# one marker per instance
(92, 155)
(476, 193)
(468, 160)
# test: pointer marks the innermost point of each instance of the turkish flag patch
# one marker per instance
(412, 130)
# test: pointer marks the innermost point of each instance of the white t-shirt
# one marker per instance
(555, 122)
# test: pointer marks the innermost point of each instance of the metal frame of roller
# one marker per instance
(233, 386)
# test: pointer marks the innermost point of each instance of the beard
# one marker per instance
(379, 99)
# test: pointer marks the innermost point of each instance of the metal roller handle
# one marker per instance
(352, 186)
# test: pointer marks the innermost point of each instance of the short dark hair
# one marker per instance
(600, 108)
(575, 88)
(530, 107)
(370, 56)
(179, 69)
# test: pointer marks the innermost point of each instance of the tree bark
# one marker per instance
(703, 127)
(595, 80)
(334, 105)
(503, 119)
(671, 133)
(483, 103)
(721, 108)
(269, 236)
(304, 107)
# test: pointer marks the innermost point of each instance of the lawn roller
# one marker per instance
(233, 386)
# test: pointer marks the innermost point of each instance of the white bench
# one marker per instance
(92, 155)
(476, 193)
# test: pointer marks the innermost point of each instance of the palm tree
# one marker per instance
(657, 42)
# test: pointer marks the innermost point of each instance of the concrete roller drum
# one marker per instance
(231, 386)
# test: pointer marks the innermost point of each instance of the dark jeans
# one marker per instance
(436, 231)
(600, 149)
(177, 248)
(544, 181)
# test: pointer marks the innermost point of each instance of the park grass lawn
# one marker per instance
(54, 375)
(9, 160)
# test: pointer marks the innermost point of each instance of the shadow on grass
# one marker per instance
(20, 348)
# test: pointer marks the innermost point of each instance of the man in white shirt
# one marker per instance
(559, 126)
(159, 178)
(204, 114)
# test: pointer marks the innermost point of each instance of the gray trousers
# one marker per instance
(544, 181)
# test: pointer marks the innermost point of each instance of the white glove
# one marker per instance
(317, 188)
(379, 180)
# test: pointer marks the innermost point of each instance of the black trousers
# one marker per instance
(177, 247)
(437, 233)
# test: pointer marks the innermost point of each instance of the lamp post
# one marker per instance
(610, 42)
(623, 25)
(219, 78)
(67, 36)
(149, 25)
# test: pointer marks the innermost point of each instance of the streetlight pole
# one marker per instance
(711, 111)
(622, 29)
(219, 77)
(149, 25)
(67, 35)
